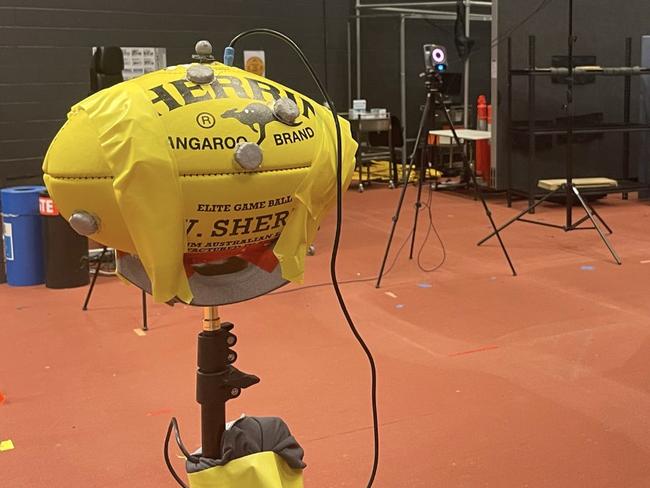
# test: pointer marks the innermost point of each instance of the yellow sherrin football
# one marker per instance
(209, 180)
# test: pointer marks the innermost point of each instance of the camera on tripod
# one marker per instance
(435, 58)
(435, 63)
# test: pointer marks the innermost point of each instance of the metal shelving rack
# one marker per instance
(533, 129)
(405, 11)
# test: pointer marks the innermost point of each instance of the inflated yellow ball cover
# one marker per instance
(153, 160)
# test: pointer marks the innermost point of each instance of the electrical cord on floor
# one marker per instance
(345, 282)
(432, 226)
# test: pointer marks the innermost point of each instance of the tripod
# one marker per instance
(568, 186)
(434, 101)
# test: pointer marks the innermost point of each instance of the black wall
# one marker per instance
(45, 48)
(601, 27)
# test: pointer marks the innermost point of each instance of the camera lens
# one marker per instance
(438, 55)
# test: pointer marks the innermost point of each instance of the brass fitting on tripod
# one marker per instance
(211, 320)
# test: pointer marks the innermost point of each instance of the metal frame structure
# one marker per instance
(407, 11)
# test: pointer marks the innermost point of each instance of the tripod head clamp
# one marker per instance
(432, 80)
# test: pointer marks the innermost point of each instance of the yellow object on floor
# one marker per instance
(380, 170)
(264, 469)
(7, 445)
(552, 185)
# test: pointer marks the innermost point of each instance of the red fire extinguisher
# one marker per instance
(483, 147)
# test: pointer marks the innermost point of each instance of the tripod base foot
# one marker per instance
(590, 214)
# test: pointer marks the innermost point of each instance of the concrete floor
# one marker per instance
(485, 380)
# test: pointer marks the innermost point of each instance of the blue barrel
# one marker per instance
(21, 233)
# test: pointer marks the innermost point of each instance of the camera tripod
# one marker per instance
(434, 101)
(569, 186)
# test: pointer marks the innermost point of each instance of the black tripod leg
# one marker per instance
(418, 202)
(586, 217)
(395, 219)
(92, 283)
(593, 221)
(477, 189)
(517, 217)
(407, 176)
(145, 326)
(601, 219)
(580, 221)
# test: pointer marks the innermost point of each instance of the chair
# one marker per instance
(106, 68)
(380, 142)
(391, 141)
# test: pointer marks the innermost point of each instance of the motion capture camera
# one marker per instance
(435, 58)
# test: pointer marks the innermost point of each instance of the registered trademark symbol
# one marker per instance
(205, 120)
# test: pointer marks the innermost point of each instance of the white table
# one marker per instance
(464, 135)
(467, 134)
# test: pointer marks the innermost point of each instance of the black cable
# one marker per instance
(538, 9)
(497, 40)
(426, 238)
(173, 426)
(337, 234)
(345, 282)
(432, 227)
(435, 25)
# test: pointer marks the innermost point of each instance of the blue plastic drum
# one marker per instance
(21, 233)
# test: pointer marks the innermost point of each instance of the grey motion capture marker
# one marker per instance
(84, 223)
(203, 51)
(199, 73)
(286, 110)
(248, 155)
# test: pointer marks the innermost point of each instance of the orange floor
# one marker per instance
(486, 380)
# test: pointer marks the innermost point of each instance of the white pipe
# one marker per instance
(494, 90)
(422, 4)
(478, 17)
(431, 14)
(466, 80)
(402, 79)
(349, 39)
(434, 14)
(358, 47)
(451, 15)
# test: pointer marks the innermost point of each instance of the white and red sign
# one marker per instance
(46, 206)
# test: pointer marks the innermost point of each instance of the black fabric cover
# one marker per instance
(250, 435)
(105, 81)
(464, 44)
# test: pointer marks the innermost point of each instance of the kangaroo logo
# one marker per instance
(255, 113)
